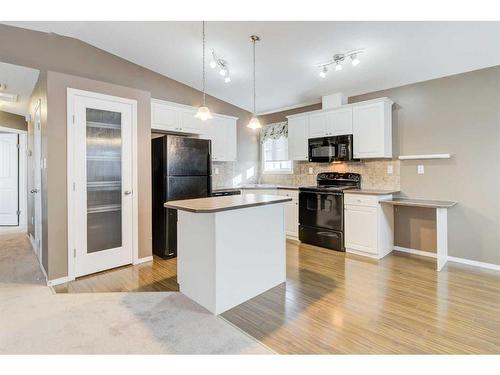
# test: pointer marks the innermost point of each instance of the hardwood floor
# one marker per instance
(338, 303)
(157, 276)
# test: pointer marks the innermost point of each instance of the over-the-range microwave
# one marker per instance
(330, 149)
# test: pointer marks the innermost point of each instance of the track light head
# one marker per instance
(354, 59)
(338, 66)
(323, 72)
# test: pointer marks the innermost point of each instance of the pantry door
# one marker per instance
(102, 198)
(9, 179)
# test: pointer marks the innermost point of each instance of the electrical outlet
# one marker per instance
(216, 170)
(310, 170)
(390, 169)
(420, 169)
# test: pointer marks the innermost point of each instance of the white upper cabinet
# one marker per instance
(221, 131)
(163, 117)
(317, 125)
(298, 132)
(339, 121)
(188, 123)
(372, 129)
(174, 117)
(330, 123)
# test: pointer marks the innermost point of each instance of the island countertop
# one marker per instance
(225, 203)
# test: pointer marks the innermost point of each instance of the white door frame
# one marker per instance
(23, 173)
(71, 95)
(37, 181)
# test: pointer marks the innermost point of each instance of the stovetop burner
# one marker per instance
(334, 182)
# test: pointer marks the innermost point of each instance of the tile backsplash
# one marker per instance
(373, 174)
(235, 173)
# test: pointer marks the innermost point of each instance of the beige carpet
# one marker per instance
(34, 320)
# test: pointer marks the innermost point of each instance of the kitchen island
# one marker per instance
(230, 248)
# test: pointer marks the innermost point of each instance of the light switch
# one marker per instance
(216, 170)
(310, 170)
(390, 169)
(420, 169)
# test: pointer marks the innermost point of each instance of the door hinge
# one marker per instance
(18, 213)
(73, 119)
(18, 145)
(74, 186)
(74, 253)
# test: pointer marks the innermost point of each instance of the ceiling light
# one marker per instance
(338, 59)
(254, 121)
(203, 112)
(227, 79)
(8, 97)
(213, 64)
(218, 62)
(222, 72)
(354, 59)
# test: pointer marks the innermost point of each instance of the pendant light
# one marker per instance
(203, 112)
(254, 121)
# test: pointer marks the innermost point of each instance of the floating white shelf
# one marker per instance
(429, 156)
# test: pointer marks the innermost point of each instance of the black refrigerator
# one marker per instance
(181, 169)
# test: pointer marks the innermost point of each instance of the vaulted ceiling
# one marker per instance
(396, 53)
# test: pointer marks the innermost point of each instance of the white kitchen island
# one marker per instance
(230, 249)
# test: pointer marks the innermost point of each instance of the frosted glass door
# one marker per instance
(103, 181)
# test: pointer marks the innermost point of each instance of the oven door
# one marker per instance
(321, 210)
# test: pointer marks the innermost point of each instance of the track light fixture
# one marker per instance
(218, 62)
(338, 59)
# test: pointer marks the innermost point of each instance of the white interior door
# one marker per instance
(9, 179)
(102, 215)
(36, 190)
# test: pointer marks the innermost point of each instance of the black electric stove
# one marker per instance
(321, 209)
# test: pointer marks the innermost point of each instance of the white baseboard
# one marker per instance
(470, 262)
(415, 251)
(13, 229)
(143, 260)
(361, 253)
(61, 280)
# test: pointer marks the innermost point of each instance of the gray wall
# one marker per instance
(13, 121)
(459, 115)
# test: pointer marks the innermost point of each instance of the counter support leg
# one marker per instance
(442, 237)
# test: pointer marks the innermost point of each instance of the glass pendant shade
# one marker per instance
(254, 123)
(203, 114)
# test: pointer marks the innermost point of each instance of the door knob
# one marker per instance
(127, 192)
(33, 191)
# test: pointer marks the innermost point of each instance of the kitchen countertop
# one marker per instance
(257, 187)
(419, 203)
(225, 203)
(370, 191)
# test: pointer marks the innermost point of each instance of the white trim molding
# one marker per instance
(415, 251)
(143, 260)
(470, 262)
(61, 280)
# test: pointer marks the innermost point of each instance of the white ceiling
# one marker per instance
(20, 81)
(396, 53)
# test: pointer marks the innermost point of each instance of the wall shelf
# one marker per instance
(422, 157)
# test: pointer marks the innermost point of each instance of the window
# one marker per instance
(275, 156)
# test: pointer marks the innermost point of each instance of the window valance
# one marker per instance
(274, 131)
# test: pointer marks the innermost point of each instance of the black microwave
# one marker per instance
(329, 149)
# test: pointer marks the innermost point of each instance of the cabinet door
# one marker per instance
(224, 139)
(190, 124)
(369, 131)
(292, 218)
(164, 117)
(361, 228)
(339, 122)
(298, 129)
(317, 125)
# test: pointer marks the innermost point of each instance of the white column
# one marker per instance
(442, 237)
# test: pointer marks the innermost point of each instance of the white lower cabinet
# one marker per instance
(367, 225)
(291, 213)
